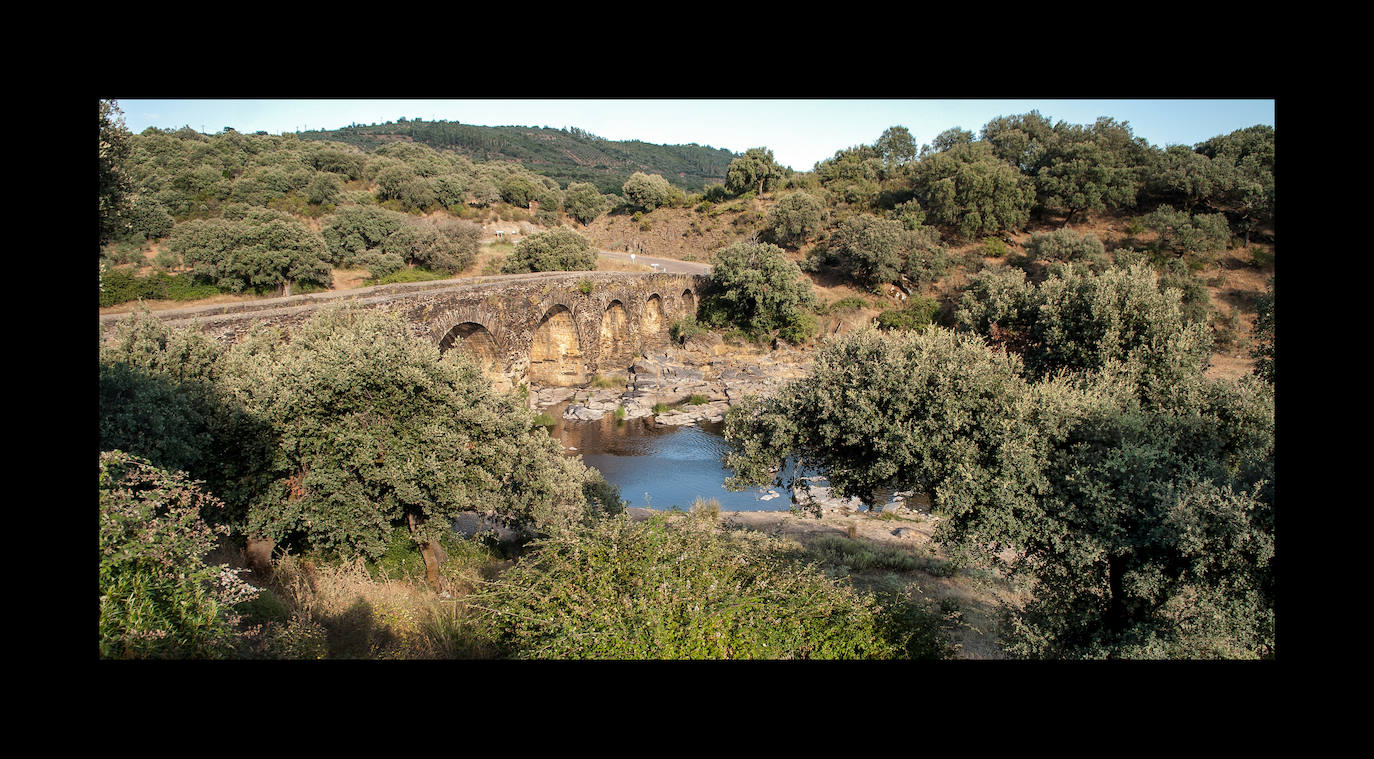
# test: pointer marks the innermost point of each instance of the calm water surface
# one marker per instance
(660, 467)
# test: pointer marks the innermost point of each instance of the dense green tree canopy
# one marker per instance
(1140, 505)
(755, 170)
(251, 249)
(869, 249)
(647, 191)
(796, 217)
(584, 202)
(969, 189)
(376, 431)
(115, 184)
(1081, 321)
(754, 287)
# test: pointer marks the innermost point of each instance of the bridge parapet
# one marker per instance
(563, 325)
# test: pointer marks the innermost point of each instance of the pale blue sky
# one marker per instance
(799, 132)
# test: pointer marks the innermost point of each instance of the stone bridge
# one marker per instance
(550, 328)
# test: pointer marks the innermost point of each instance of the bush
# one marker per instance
(678, 590)
(796, 217)
(918, 313)
(1184, 234)
(1067, 246)
(647, 191)
(158, 598)
(684, 329)
(560, 249)
(754, 286)
(861, 556)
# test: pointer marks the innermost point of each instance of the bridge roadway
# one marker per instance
(537, 327)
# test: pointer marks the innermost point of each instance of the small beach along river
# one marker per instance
(661, 466)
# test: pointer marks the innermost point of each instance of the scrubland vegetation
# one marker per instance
(1043, 382)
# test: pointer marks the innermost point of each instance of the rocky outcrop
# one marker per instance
(687, 385)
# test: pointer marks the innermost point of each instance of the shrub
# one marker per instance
(1065, 245)
(560, 249)
(993, 248)
(918, 312)
(647, 191)
(1184, 234)
(796, 217)
(659, 590)
(754, 286)
(158, 597)
(684, 329)
(861, 556)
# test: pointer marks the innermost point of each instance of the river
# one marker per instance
(659, 466)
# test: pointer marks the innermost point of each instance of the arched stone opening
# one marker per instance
(652, 329)
(617, 348)
(556, 351)
(689, 304)
(474, 341)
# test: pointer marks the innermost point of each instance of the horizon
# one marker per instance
(800, 132)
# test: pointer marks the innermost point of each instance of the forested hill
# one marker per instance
(566, 155)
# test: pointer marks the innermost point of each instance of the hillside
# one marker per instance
(565, 155)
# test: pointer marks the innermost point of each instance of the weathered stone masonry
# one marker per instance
(539, 327)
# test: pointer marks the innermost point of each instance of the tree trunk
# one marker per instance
(287, 291)
(1072, 211)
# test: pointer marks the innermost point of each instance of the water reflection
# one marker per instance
(660, 466)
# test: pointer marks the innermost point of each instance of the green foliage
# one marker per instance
(447, 246)
(1090, 168)
(682, 330)
(755, 170)
(584, 202)
(796, 217)
(968, 189)
(160, 398)
(158, 598)
(354, 230)
(408, 275)
(914, 410)
(1067, 246)
(1184, 234)
(376, 431)
(1139, 504)
(647, 191)
(559, 249)
(1263, 338)
(1083, 321)
(659, 590)
(123, 285)
(255, 249)
(115, 183)
(861, 555)
(869, 249)
(754, 287)
(918, 312)
(993, 247)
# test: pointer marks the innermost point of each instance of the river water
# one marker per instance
(660, 466)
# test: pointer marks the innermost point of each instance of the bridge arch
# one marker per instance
(617, 345)
(653, 324)
(556, 352)
(689, 304)
(475, 341)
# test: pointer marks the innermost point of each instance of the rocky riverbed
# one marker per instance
(688, 385)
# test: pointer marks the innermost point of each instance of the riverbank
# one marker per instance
(973, 598)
